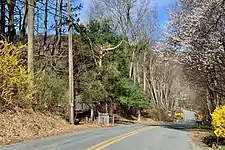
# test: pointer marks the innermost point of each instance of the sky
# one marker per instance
(162, 9)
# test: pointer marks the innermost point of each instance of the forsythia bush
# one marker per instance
(14, 82)
(179, 116)
(218, 120)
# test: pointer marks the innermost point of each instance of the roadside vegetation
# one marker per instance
(121, 65)
(196, 30)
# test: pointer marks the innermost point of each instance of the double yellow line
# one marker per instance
(111, 141)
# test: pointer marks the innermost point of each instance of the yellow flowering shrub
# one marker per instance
(218, 121)
(14, 82)
(179, 115)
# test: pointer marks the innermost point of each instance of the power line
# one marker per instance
(39, 8)
(63, 13)
(53, 7)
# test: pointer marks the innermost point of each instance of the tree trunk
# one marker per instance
(208, 102)
(71, 82)
(144, 72)
(138, 73)
(11, 29)
(131, 64)
(19, 11)
(60, 25)
(24, 23)
(139, 115)
(152, 84)
(134, 73)
(106, 107)
(56, 26)
(92, 113)
(2, 21)
(45, 27)
(100, 58)
(31, 40)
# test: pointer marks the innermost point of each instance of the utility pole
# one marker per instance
(31, 40)
(71, 84)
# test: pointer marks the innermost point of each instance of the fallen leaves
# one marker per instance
(24, 125)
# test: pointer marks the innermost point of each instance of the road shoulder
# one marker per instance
(197, 144)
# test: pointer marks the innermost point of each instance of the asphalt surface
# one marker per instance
(171, 137)
(152, 137)
(166, 137)
(189, 116)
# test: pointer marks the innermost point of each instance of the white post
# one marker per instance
(107, 119)
(113, 120)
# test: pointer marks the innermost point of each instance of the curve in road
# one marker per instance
(124, 137)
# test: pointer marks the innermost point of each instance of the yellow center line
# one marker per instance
(111, 141)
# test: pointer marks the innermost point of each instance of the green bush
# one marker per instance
(131, 94)
(52, 90)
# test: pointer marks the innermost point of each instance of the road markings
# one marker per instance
(104, 142)
(111, 141)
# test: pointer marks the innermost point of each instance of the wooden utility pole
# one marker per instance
(31, 39)
(71, 84)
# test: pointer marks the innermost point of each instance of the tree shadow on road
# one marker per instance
(125, 122)
(176, 126)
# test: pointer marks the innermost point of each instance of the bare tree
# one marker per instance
(45, 26)
(132, 18)
(24, 22)
(198, 29)
(11, 28)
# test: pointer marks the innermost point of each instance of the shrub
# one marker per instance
(131, 94)
(212, 139)
(179, 115)
(52, 90)
(218, 120)
(14, 81)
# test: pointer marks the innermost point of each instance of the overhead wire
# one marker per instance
(63, 13)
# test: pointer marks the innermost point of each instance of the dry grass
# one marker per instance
(199, 135)
(23, 125)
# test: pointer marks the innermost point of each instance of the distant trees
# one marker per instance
(197, 29)
(134, 19)
(119, 67)
(108, 77)
(152, 66)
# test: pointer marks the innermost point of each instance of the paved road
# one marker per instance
(139, 137)
(189, 116)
